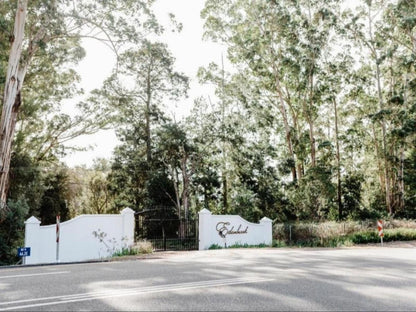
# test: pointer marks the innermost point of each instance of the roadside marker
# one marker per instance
(380, 230)
(58, 219)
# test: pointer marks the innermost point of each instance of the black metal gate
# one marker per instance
(161, 226)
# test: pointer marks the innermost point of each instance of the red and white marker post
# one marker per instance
(380, 230)
(58, 219)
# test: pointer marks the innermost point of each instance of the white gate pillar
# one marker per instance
(204, 229)
(127, 215)
(268, 231)
(32, 239)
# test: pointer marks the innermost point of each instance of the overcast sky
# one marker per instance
(190, 51)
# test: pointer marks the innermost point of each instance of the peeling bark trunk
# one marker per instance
(338, 157)
(185, 182)
(384, 146)
(147, 117)
(11, 98)
(309, 119)
(379, 166)
(185, 192)
(387, 184)
(287, 128)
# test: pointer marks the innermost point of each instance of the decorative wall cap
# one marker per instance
(265, 219)
(127, 210)
(205, 211)
(32, 220)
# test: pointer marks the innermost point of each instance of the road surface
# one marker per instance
(349, 279)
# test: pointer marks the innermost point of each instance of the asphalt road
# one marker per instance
(351, 279)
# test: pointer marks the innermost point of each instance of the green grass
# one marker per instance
(125, 252)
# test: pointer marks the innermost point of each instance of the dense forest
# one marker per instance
(313, 118)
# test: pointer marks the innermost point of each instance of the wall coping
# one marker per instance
(205, 211)
(125, 211)
(32, 220)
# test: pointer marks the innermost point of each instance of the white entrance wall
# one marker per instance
(86, 237)
(228, 230)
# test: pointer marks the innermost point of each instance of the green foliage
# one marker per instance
(215, 246)
(409, 210)
(314, 196)
(125, 252)
(351, 189)
(54, 199)
(399, 235)
(12, 231)
(26, 182)
(279, 244)
(331, 234)
(298, 130)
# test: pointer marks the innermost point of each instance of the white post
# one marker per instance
(58, 219)
(32, 233)
(127, 215)
(268, 236)
(204, 228)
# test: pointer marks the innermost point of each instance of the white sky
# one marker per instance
(190, 51)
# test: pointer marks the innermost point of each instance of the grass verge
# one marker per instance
(361, 237)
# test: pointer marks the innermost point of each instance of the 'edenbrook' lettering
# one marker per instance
(223, 230)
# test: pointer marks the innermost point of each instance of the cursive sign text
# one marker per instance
(223, 229)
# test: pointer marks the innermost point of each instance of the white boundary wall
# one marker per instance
(77, 241)
(228, 230)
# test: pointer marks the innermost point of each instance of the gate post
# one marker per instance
(127, 216)
(32, 239)
(268, 230)
(204, 228)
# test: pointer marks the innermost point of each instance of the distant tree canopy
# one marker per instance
(313, 117)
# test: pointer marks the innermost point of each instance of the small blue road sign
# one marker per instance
(23, 251)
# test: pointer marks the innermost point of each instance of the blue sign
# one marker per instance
(23, 251)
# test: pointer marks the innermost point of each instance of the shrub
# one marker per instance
(12, 231)
(279, 243)
(125, 252)
(402, 234)
(215, 246)
(143, 247)
(333, 234)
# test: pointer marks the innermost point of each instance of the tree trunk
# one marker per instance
(287, 128)
(387, 189)
(309, 119)
(185, 192)
(185, 182)
(339, 191)
(384, 146)
(147, 117)
(401, 178)
(223, 145)
(12, 98)
(379, 166)
(312, 142)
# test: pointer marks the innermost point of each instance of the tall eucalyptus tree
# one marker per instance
(142, 83)
(281, 43)
(386, 31)
(41, 25)
(142, 86)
